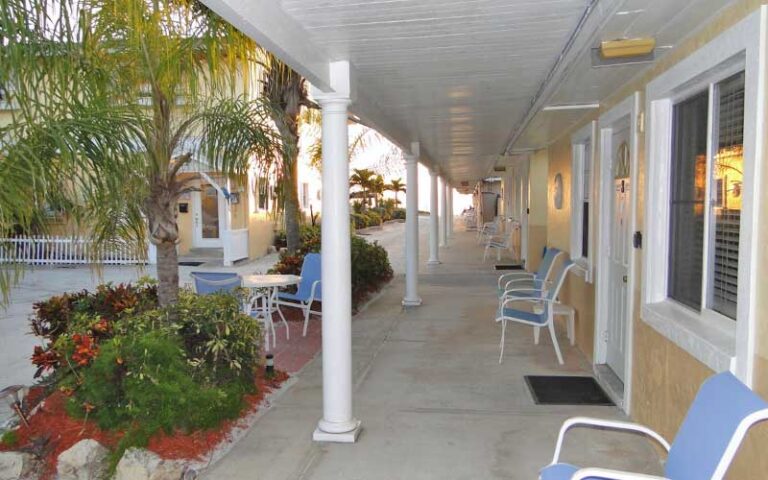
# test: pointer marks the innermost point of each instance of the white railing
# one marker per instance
(39, 250)
(235, 243)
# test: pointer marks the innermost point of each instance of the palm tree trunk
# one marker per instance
(291, 205)
(167, 274)
(160, 210)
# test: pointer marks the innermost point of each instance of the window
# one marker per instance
(263, 193)
(692, 218)
(581, 197)
(703, 134)
(305, 195)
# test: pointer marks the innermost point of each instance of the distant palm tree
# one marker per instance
(364, 179)
(396, 186)
(378, 186)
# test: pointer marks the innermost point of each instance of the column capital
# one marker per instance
(410, 158)
(333, 102)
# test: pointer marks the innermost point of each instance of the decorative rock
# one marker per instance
(138, 464)
(85, 460)
(16, 466)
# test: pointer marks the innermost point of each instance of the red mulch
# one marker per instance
(52, 422)
(196, 444)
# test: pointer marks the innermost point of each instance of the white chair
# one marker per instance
(541, 314)
(704, 447)
(501, 242)
(488, 229)
(523, 279)
(498, 243)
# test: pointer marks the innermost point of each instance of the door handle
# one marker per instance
(624, 279)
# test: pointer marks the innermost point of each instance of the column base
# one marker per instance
(411, 302)
(344, 437)
(434, 262)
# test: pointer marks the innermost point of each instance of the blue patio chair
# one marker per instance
(215, 282)
(541, 314)
(537, 279)
(309, 289)
(716, 423)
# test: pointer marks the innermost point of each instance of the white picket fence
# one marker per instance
(39, 250)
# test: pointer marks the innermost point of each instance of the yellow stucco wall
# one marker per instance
(665, 377)
(537, 205)
(260, 234)
(576, 291)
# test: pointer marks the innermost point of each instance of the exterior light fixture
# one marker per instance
(573, 106)
(627, 47)
(269, 370)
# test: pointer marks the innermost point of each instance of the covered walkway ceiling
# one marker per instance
(465, 78)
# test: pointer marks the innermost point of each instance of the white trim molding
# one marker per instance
(583, 149)
(717, 342)
(628, 111)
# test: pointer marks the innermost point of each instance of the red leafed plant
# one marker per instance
(85, 349)
(45, 360)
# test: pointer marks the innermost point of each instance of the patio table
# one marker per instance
(271, 282)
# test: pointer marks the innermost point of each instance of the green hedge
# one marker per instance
(370, 263)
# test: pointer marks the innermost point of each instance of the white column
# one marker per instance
(434, 222)
(411, 298)
(450, 211)
(337, 424)
(443, 214)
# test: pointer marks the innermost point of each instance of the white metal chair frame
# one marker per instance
(540, 299)
(727, 453)
(528, 278)
(501, 242)
(306, 307)
(488, 229)
(607, 425)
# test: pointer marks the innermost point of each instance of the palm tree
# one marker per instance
(397, 186)
(362, 178)
(286, 92)
(377, 188)
(116, 99)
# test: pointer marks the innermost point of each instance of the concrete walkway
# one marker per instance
(434, 401)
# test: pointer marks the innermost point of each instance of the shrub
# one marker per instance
(359, 220)
(398, 214)
(187, 366)
(370, 268)
(93, 314)
(374, 218)
(370, 264)
(9, 439)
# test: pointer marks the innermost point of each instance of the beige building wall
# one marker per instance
(576, 291)
(665, 377)
(537, 205)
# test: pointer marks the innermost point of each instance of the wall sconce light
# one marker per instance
(627, 47)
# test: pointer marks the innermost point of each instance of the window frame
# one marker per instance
(586, 136)
(717, 341)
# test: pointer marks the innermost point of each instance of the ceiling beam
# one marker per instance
(595, 16)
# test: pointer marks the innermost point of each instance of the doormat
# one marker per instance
(566, 390)
(190, 264)
(514, 266)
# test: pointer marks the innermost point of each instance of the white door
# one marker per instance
(208, 215)
(618, 254)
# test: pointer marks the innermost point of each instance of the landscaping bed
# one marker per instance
(122, 371)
